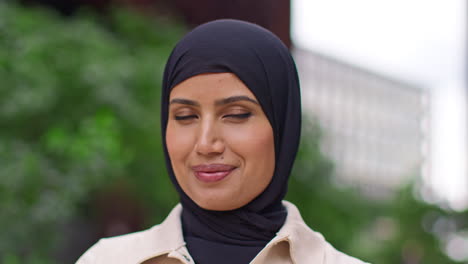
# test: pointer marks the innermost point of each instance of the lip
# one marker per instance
(212, 172)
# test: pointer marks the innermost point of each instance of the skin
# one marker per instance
(215, 119)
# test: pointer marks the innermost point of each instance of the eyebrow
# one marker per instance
(184, 101)
(233, 99)
(219, 102)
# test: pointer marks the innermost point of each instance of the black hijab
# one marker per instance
(259, 59)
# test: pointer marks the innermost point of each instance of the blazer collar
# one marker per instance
(166, 237)
(306, 245)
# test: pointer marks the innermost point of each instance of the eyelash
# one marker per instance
(240, 116)
(237, 116)
(181, 118)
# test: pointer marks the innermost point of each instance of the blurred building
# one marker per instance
(375, 129)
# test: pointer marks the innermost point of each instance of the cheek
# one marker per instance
(178, 142)
(255, 144)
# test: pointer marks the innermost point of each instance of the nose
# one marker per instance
(209, 142)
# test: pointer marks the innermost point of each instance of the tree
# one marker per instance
(78, 110)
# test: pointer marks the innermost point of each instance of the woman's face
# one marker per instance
(219, 140)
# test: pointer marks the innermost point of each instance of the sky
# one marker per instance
(419, 41)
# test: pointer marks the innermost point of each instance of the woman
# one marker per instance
(231, 120)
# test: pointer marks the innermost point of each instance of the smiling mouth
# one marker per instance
(212, 172)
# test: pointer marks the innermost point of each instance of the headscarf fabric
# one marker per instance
(263, 63)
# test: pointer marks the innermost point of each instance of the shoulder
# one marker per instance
(309, 246)
(115, 248)
(138, 246)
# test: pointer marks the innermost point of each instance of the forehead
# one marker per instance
(211, 85)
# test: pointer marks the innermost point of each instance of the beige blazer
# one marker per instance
(294, 243)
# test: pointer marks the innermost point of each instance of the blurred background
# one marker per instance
(382, 168)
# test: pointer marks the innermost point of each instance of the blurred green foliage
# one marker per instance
(79, 111)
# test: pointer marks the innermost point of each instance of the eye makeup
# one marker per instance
(184, 117)
(240, 116)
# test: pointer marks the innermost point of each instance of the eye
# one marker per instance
(184, 117)
(239, 116)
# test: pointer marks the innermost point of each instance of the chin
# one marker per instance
(218, 204)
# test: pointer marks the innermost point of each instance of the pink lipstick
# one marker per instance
(212, 172)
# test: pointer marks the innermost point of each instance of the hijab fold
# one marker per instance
(260, 60)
